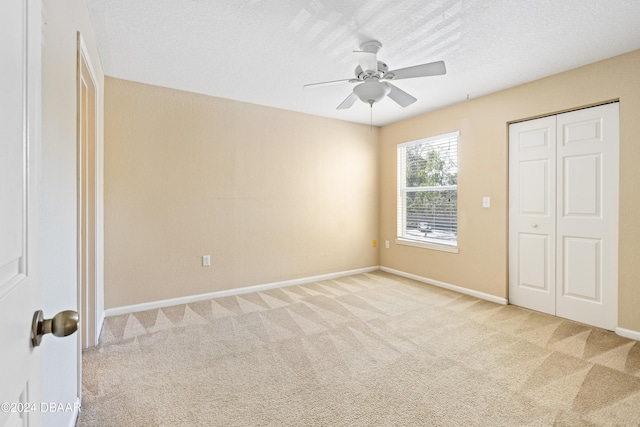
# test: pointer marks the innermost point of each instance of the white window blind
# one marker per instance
(428, 191)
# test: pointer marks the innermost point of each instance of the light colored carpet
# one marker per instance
(365, 350)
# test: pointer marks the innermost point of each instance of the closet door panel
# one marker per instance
(587, 217)
(532, 214)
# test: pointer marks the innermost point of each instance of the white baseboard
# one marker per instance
(238, 291)
(477, 294)
(628, 333)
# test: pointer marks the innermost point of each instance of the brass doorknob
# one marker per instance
(62, 324)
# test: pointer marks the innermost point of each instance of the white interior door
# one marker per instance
(587, 216)
(532, 214)
(563, 215)
(20, 376)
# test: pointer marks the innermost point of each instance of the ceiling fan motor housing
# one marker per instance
(382, 71)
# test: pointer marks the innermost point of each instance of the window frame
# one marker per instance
(402, 189)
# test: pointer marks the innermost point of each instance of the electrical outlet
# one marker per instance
(206, 260)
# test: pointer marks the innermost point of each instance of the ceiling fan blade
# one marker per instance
(431, 69)
(368, 61)
(401, 97)
(348, 102)
(330, 82)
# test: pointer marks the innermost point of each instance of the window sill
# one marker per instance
(427, 245)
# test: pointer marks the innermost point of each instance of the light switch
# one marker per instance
(206, 260)
(486, 202)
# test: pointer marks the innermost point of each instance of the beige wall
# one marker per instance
(481, 264)
(271, 195)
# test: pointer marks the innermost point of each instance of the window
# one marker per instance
(428, 192)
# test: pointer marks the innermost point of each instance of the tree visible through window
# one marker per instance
(428, 190)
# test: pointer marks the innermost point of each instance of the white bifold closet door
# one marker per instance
(563, 215)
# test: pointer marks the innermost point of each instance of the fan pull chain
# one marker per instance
(371, 117)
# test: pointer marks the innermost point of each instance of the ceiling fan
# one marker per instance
(371, 75)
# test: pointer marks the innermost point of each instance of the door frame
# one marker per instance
(87, 198)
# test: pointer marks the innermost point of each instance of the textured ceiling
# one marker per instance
(264, 51)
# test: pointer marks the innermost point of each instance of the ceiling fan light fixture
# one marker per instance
(372, 91)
